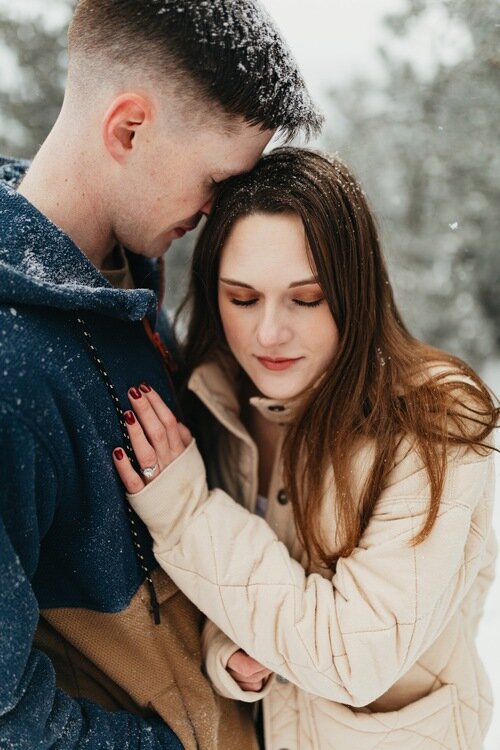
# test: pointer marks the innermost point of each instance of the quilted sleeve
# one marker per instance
(348, 639)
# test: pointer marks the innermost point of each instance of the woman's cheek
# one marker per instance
(230, 323)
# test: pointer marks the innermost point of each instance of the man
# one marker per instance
(164, 100)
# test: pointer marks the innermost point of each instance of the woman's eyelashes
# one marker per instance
(243, 302)
(253, 301)
(314, 303)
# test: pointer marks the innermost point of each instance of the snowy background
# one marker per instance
(409, 89)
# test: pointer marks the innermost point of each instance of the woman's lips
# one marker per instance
(277, 364)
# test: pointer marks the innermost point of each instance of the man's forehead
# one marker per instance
(243, 151)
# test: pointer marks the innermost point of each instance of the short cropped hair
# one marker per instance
(227, 52)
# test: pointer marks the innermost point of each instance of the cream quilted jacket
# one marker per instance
(382, 655)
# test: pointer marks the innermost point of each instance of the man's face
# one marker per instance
(171, 180)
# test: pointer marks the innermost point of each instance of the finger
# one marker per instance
(157, 403)
(186, 436)
(178, 435)
(130, 478)
(262, 674)
(251, 687)
(151, 427)
(245, 665)
(171, 425)
(145, 454)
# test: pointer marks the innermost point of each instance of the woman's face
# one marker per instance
(276, 321)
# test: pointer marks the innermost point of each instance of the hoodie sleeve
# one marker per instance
(34, 713)
(348, 639)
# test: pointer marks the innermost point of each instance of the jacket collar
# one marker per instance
(41, 265)
(215, 383)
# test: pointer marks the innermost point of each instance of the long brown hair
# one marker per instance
(382, 385)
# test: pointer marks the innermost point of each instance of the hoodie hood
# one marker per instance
(41, 265)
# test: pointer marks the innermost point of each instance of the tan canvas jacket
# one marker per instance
(382, 655)
(122, 661)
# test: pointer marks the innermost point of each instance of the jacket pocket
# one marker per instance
(429, 723)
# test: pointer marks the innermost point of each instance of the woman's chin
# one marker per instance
(278, 393)
(283, 386)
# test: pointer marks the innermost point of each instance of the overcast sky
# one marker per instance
(332, 39)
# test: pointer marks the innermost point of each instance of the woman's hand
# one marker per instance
(157, 438)
(248, 673)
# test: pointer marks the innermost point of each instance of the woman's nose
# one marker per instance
(272, 330)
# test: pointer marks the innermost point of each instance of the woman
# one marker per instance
(367, 452)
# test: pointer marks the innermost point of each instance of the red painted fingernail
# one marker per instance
(135, 393)
(118, 454)
(145, 388)
(129, 417)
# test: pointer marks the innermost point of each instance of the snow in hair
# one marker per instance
(231, 49)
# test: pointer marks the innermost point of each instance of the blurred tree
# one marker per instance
(30, 102)
(425, 144)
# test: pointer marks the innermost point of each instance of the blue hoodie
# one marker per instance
(65, 539)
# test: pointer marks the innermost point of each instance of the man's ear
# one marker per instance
(125, 116)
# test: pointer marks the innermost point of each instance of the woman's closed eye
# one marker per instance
(311, 303)
(300, 302)
(243, 302)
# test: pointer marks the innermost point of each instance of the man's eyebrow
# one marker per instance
(305, 282)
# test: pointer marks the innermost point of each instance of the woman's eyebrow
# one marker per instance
(233, 282)
(306, 282)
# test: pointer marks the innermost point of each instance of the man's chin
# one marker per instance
(158, 252)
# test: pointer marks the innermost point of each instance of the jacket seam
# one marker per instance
(219, 592)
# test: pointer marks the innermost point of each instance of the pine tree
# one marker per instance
(426, 148)
(29, 106)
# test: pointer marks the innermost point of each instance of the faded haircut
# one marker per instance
(226, 53)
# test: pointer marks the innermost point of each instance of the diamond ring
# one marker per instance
(149, 471)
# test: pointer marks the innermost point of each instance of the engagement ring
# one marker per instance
(149, 471)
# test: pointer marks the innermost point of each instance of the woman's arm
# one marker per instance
(348, 639)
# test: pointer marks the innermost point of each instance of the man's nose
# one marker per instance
(207, 207)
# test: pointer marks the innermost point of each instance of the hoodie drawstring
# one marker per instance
(155, 607)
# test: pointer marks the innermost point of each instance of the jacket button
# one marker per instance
(282, 680)
(277, 407)
(282, 497)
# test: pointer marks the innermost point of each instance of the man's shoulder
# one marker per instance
(12, 170)
(35, 348)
